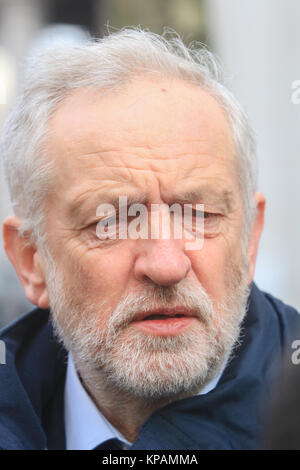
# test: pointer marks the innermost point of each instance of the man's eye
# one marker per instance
(205, 215)
(211, 222)
(108, 222)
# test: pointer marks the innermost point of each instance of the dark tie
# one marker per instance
(110, 444)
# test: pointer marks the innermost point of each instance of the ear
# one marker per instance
(27, 262)
(257, 227)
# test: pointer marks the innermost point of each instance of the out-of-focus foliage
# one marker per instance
(185, 16)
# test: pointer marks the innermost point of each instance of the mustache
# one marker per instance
(151, 297)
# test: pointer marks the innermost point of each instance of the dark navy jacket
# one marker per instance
(228, 417)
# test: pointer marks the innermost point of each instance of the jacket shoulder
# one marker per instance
(31, 379)
(287, 316)
(27, 325)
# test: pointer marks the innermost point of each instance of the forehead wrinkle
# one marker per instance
(111, 145)
(110, 192)
(157, 157)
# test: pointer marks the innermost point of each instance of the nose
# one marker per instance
(164, 262)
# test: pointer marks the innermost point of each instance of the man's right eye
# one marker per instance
(110, 228)
(107, 222)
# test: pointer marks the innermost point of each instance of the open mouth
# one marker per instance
(165, 313)
(163, 317)
(164, 322)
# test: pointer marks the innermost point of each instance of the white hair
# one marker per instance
(106, 64)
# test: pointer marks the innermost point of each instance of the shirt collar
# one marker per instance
(85, 425)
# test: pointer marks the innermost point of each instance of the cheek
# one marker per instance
(213, 265)
(101, 275)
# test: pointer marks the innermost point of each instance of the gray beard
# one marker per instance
(152, 368)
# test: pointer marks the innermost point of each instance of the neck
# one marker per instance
(125, 412)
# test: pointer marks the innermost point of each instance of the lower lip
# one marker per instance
(169, 326)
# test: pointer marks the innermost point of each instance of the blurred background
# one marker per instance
(258, 44)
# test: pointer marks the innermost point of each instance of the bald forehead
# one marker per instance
(150, 113)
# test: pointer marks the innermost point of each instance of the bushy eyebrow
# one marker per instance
(207, 195)
(204, 195)
(78, 208)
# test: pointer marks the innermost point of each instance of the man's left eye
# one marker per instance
(211, 222)
(205, 215)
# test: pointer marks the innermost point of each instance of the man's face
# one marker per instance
(154, 142)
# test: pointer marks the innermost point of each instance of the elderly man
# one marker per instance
(136, 339)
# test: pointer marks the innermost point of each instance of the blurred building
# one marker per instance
(259, 45)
